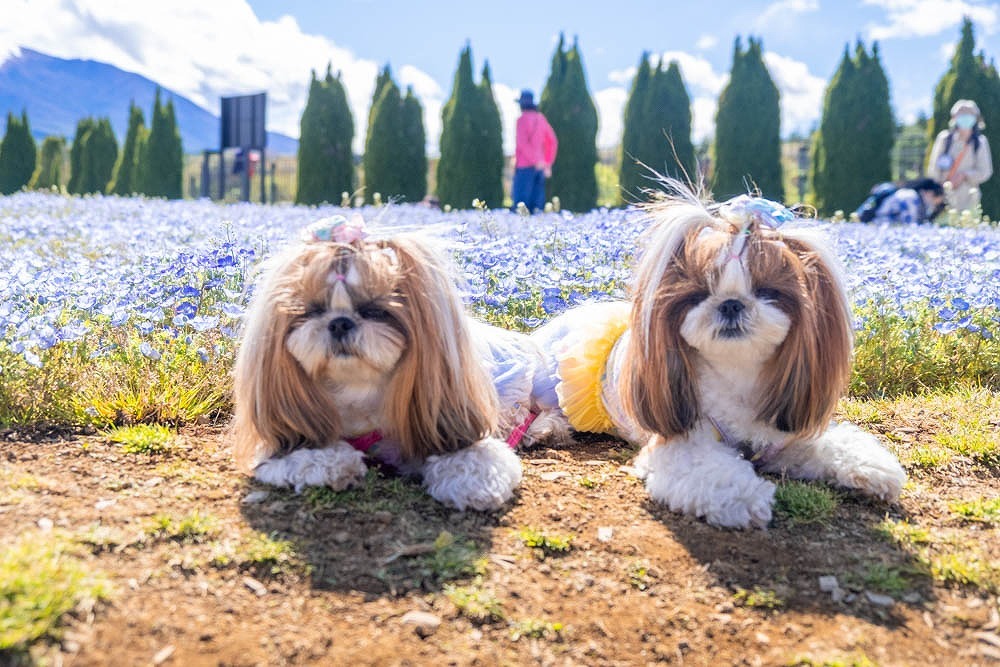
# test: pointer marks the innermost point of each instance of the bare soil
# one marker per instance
(639, 584)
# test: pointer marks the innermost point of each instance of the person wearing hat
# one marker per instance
(960, 158)
(534, 153)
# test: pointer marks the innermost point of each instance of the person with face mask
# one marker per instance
(960, 158)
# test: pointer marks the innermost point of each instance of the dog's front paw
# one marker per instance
(722, 489)
(863, 463)
(549, 427)
(338, 467)
(482, 476)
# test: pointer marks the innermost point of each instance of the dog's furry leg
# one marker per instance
(550, 427)
(482, 476)
(846, 455)
(699, 476)
(338, 466)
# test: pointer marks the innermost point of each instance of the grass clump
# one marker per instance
(805, 503)
(193, 527)
(42, 579)
(638, 575)
(376, 493)
(261, 554)
(143, 438)
(882, 579)
(545, 544)
(474, 603)
(985, 510)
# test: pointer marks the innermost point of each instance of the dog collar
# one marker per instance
(515, 437)
(364, 442)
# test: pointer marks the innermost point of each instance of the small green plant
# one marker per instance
(986, 510)
(545, 544)
(758, 598)
(851, 661)
(42, 579)
(376, 493)
(194, 527)
(142, 438)
(453, 559)
(882, 578)
(965, 569)
(903, 532)
(804, 503)
(537, 629)
(589, 483)
(474, 603)
(638, 575)
(929, 458)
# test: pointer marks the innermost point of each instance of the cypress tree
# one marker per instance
(970, 77)
(18, 154)
(748, 129)
(489, 128)
(413, 150)
(125, 180)
(471, 137)
(49, 172)
(632, 176)
(567, 105)
(163, 158)
(852, 150)
(326, 158)
(668, 118)
(100, 152)
(385, 131)
(83, 129)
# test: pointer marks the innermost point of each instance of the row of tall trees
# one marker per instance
(151, 161)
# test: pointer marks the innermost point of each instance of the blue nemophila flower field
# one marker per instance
(125, 298)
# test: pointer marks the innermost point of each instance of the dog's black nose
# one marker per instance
(731, 309)
(340, 327)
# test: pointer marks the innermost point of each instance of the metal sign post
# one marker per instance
(244, 127)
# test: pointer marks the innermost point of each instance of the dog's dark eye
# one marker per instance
(767, 294)
(372, 311)
(314, 310)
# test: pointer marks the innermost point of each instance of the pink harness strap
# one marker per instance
(514, 439)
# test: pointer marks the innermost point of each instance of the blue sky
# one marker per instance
(204, 49)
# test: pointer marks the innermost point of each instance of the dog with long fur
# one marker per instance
(728, 362)
(358, 351)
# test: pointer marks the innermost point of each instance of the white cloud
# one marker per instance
(783, 8)
(801, 92)
(923, 18)
(204, 50)
(706, 42)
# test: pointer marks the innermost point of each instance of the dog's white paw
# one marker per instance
(482, 476)
(859, 461)
(339, 467)
(717, 486)
(550, 427)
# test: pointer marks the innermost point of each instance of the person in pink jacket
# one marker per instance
(534, 153)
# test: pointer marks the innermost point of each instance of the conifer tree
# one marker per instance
(413, 150)
(471, 138)
(326, 158)
(125, 181)
(385, 134)
(852, 150)
(669, 124)
(489, 127)
(971, 77)
(632, 176)
(100, 152)
(163, 157)
(18, 154)
(83, 129)
(748, 129)
(49, 172)
(569, 108)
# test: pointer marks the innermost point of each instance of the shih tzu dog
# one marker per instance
(358, 351)
(728, 362)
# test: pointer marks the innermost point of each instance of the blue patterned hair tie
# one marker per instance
(337, 229)
(744, 210)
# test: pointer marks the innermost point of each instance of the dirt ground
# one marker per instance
(637, 585)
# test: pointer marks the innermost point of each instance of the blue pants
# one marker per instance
(528, 187)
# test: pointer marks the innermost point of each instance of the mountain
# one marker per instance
(57, 93)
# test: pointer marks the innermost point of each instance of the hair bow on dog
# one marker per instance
(744, 210)
(336, 229)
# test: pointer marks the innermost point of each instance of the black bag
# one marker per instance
(866, 212)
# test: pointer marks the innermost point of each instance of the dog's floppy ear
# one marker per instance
(276, 402)
(812, 366)
(440, 397)
(658, 386)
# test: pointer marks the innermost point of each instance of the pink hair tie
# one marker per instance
(336, 229)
